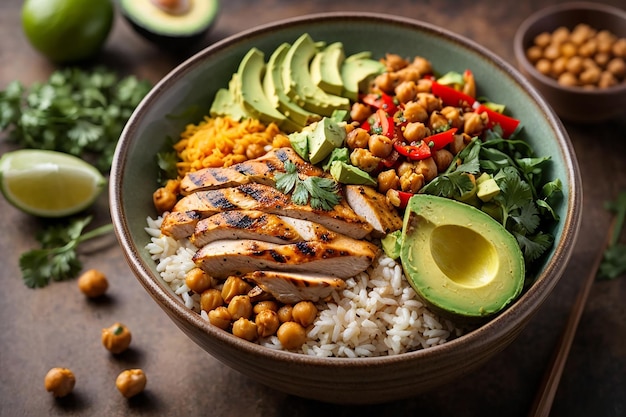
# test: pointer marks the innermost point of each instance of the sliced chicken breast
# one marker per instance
(260, 170)
(179, 224)
(254, 224)
(292, 287)
(341, 258)
(373, 207)
(341, 219)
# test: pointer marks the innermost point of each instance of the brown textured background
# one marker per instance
(57, 326)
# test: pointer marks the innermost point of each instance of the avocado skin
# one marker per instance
(445, 284)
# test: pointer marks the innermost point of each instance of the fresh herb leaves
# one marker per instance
(321, 193)
(57, 259)
(74, 111)
(613, 262)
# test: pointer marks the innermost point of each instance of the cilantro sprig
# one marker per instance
(321, 193)
(524, 204)
(75, 111)
(613, 263)
(57, 259)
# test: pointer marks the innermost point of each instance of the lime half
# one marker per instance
(49, 183)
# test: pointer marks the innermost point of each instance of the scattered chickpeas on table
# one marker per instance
(60, 381)
(131, 382)
(93, 283)
(581, 57)
(116, 338)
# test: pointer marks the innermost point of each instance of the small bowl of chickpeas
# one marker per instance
(575, 55)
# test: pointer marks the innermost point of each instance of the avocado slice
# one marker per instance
(299, 85)
(460, 261)
(251, 94)
(346, 173)
(326, 68)
(356, 72)
(177, 24)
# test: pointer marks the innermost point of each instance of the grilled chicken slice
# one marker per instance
(260, 170)
(179, 224)
(341, 218)
(373, 207)
(254, 224)
(343, 257)
(292, 287)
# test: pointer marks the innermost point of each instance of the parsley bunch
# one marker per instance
(75, 111)
(524, 203)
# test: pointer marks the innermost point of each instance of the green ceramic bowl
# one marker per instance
(184, 96)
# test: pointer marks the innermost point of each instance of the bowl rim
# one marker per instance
(519, 48)
(537, 293)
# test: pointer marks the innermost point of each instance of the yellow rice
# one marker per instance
(223, 141)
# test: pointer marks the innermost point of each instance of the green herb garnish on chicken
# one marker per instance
(321, 193)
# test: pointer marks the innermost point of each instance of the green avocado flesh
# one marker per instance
(459, 260)
(145, 15)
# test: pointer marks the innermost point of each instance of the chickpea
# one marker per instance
(453, 115)
(409, 74)
(291, 335)
(406, 91)
(245, 329)
(210, 299)
(220, 317)
(552, 52)
(415, 112)
(589, 48)
(568, 79)
(429, 101)
(254, 150)
(427, 167)
(544, 66)
(581, 33)
(437, 121)
(284, 313)
(543, 39)
(267, 323)
(606, 80)
(265, 305)
(393, 197)
(116, 338)
(93, 283)
(473, 124)
(559, 66)
(394, 62)
(364, 159)
(197, 280)
(590, 76)
(574, 65)
(443, 159)
(619, 48)
(415, 131)
(424, 85)
(534, 53)
(617, 67)
(164, 200)
(405, 167)
(233, 286)
(560, 35)
(387, 180)
(411, 182)
(380, 146)
(358, 138)
(304, 313)
(422, 64)
(59, 381)
(458, 143)
(131, 382)
(240, 306)
(386, 81)
(602, 59)
(567, 50)
(360, 112)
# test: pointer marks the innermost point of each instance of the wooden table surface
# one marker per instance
(58, 326)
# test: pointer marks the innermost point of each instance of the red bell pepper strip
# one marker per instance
(413, 152)
(404, 198)
(440, 140)
(452, 97)
(381, 101)
(508, 124)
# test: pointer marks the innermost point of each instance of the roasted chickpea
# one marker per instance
(619, 48)
(607, 80)
(265, 305)
(443, 159)
(422, 64)
(574, 65)
(474, 123)
(437, 121)
(453, 115)
(429, 101)
(387, 180)
(358, 138)
(131, 382)
(210, 299)
(304, 312)
(116, 338)
(589, 48)
(415, 112)
(394, 62)
(406, 91)
(164, 200)
(543, 39)
(197, 280)
(552, 52)
(267, 323)
(291, 335)
(93, 283)
(544, 66)
(220, 317)
(567, 49)
(364, 159)
(360, 112)
(59, 381)
(405, 168)
(284, 313)
(534, 53)
(590, 76)
(568, 79)
(380, 145)
(415, 131)
(386, 81)
(411, 182)
(409, 73)
(245, 329)
(617, 67)
(559, 66)
(427, 167)
(233, 286)
(560, 35)
(240, 306)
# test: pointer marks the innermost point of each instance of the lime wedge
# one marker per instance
(49, 183)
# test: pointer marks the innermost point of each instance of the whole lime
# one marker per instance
(67, 30)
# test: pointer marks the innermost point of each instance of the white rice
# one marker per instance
(378, 313)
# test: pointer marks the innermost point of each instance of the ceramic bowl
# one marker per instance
(184, 96)
(574, 104)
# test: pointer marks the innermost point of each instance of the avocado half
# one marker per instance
(464, 264)
(171, 23)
